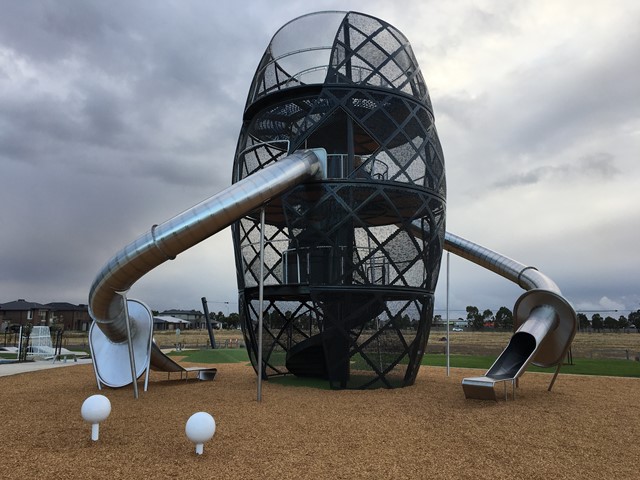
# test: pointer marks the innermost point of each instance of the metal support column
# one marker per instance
(260, 304)
(132, 360)
(448, 351)
(205, 307)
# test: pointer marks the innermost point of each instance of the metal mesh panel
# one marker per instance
(348, 285)
(259, 155)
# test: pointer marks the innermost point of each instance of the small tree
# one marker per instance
(623, 322)
(634, 319)
(487, 317)
(583, 321)
(596, 322)
(474, 318)
(504, 319)
(233, 320)
(611, 323)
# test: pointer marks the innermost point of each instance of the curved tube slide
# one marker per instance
(108, 305)
(545, 323)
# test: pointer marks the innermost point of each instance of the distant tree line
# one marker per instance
(609, 323)
(476, 320)
(502, 320)
(305, 322)
(228, 322)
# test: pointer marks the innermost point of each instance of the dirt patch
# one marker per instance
(584, 428)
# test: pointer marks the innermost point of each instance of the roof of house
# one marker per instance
(168, 319)
(181, 312)
(66, 306)
(21, 305)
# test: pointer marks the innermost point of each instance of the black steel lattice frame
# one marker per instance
(389, 112)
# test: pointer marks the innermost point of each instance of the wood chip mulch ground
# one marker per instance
(586, 428)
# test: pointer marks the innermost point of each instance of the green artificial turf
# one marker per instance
(580, 366)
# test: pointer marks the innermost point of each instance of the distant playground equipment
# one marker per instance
(337, 210)
(41, 346)
(18, 342)
(35, 343)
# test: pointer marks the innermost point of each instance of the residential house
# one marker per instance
(194, 317)
(21, 312)
(70, 316)
(165, 322)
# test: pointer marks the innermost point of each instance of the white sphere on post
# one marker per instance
(200, 427)
(95, 409)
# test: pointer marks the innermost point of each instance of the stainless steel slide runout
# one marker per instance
(545, 322)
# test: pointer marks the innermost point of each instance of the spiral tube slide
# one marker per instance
(545, 322)
(118, 328)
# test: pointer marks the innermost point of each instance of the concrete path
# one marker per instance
(17, 368)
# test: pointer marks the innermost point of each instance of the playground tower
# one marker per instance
(348, 283)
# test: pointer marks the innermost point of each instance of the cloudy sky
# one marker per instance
(118, 115)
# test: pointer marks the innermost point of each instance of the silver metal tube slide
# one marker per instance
(545, 322)
(165, 241)
(541, 290)
(523, 344)
(524, 276)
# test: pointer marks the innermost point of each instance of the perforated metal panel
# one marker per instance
(348, 285)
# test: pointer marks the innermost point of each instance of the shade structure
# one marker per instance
(348, 285)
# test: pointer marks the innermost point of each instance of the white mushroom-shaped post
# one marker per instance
(95, 409)
(200, 427)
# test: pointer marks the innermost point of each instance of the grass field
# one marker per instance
(585, 345)
(580, 366)
(611, 354)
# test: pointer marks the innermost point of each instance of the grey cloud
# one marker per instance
(599, 165)
(480, 21)
(174, 171)
(103, 115)
(551, 103)
(562, 98)
(462, 109)
(527, 178)
(48, 31)
(35, 128)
